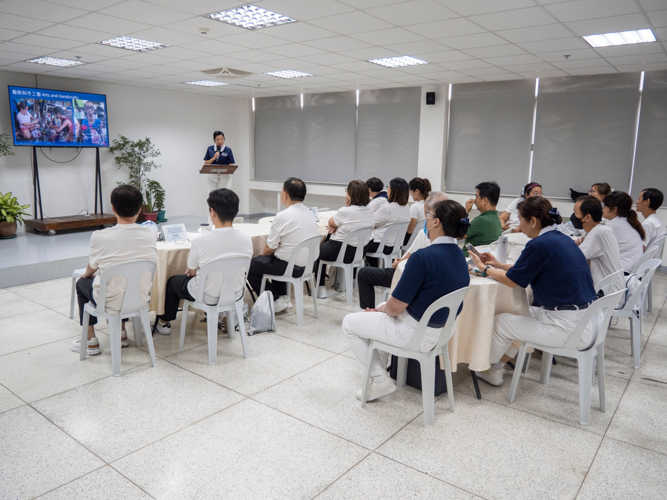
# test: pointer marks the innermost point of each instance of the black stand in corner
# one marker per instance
(98, 180)
(37, 190)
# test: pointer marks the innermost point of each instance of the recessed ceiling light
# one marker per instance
(250, 17)
(206, 83)
(622, 38)
(136, 44)
(287, 73)
(55, 61)
(397, 62)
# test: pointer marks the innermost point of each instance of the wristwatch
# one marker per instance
(488, 266)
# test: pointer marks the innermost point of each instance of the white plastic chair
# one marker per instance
(267, 221)
(75, 276)
(312, 246)
(132, 307)
(419, 227)
(659, 243)
(633, 305)
(227, 303)
(238, 220)
(427, 360)
(649, 254)
(606, 283)
(585, 357)
(398, 229)
(360, 235)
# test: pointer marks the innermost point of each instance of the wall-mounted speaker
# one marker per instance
(430, 97)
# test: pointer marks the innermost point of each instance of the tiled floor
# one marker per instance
(284, 423)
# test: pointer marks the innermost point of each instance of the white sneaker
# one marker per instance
(281, 303)
(492, 376)
(92, 348)
(382, 385)
(163, 329)
(124, 341)
(322, 293)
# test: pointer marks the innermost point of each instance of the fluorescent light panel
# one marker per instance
(397, 62)
(250, 17)
(55, 61)
(206, 83)
(622, 38)
(136, 44)
(288, 73)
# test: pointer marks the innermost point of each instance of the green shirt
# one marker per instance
(484, 229)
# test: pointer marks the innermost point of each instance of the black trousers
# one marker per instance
(84, 294)
(270, 264)
(371, 247)
(407, 238)
(368, 278)
(329, 250)
(177, 289)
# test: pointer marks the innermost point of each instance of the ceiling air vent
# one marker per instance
(227, 73)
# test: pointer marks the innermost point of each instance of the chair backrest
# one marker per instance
(312, 246)
(397, 228)
(132, 271)
(644, 273)
(227, 266)
(605, 304)
(607, 283)
(238, 220)
(649, 254)
(361, 235)
(418, 228)
(451, 301)
(659, 243)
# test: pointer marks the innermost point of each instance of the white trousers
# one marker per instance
(548, 328)
(213, 183)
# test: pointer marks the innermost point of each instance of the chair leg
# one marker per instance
(601, 378)
(402, 371)
(298, 297)
(184, 321)
(649, 297)
(636, 335)
(72, 299)
(114, 337)
(448, 378)
(475, 383)
(545, 369)
(349, 284)
(212, 330)
(231, 324)
(244, 340)
(261, 288)
(527, 364)
(149, 336)
(367, 374)
(136, 328)
(84, 335)
(428, 390)
(312, 279)
(585, 368)
(320, 270)
(520, 360)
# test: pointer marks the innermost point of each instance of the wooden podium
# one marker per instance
(218, 170)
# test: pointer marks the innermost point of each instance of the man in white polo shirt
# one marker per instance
(223, 241)
(289, 228)
(648, 202)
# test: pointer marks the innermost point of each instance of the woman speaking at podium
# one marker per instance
(219, 154)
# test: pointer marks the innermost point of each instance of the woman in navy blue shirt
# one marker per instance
(429, 274)
(557, 271)
(219, 154)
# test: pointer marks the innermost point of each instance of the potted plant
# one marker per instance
(5, 145)
(10, 213)
(157, 194)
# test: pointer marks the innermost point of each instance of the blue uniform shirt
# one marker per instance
(556, 269)
(429, 274)
(226, 156)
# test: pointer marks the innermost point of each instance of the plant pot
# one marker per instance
(7, 229)
(152, 216)
(160, 216)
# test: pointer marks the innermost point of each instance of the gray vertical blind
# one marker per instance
(388, 133)
(585, 132)
(278, 137)
(651, 159)
(490, 133)
(329, 136)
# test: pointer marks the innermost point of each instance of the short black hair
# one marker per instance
(375, 184)
(295, 189)
(126, 200)
(654, 197)
(217, 133)
(58, 110)
(450, 213)
(590, 205)
(490, 190)
(225, 203)
(22, 105)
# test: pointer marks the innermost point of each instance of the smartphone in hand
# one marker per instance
(474, 250)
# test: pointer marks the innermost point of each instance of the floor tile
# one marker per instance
(559, 400)
(496, 452)
(653, 369)
(42, 371)
(102, 484)
(8, 401)
(659, 332)
(621, 470)
(641, 417)
(324, 331)
(47, 293)
(37, 456)
(271, 359)
(13, 305)
(34, 329)
(247, 451)
(324, 396)
(379, 477)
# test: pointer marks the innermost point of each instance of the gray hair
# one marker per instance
(433, 198)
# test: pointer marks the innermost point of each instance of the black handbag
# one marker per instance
(414, 378)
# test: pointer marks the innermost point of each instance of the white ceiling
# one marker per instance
(463, 41)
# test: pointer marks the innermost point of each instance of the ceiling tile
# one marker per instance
(167, 36)
(590, 71)
(214, 46)
(198, 7)
(298, 9)
(581, 63)
(123, 63)
(609, 24)
(444, 57)
(47, 41)
(559, 56)
(637, 59)
(500, 77)
(661, 34)
(571, 43)
(320, 70)
(256, 56)
(217, 29)
(27, 24)
(101, 22)
(337, 43)
(389, 36)
(25, 67)
(146, 12)
(370, 53)
(414, 12)
(472, 41)
(327, 59)
(503, 61)
(421, 47)
(498, 51)
(74, 33)
(591, 9)
(300, 32)
(469, 64)
(294, 50)
(72, 54)
(652, 4)
(253, 40)
(36, 9)
(450, 27)
(642, 67)
(11, 56)
(508, 20)
(542, 74)
(658, 18)
(546, 32)
(6, 34)
(629, 50)
(524, 68)
(87, 5)
(25, 49)
(352, 22)
(471, 8)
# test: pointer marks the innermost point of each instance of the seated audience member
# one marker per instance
(370, 277)
(648, 202)
(222, 241)
(354, 215)
(600, 190)
(510, 217)
(626, 226)
(289, 228)
(599, 245)
(394, 210)
(429, 274)
(121, 243)
(419, 190)
(486, 227)
(376, 192)
(26, 122)
(557, 271)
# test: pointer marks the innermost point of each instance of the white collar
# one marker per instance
(546, 230)
(443, 239)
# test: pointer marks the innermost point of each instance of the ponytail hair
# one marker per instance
(622, 202)
(541, 209)
(421, 185)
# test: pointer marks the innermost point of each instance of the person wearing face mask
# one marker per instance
(626, 226)
(369, 277)
(599, 246)
(510, 217)
(219, 154)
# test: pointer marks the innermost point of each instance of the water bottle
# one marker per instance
(501, 253)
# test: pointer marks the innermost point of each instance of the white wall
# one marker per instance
(179, 124)
(432, 137)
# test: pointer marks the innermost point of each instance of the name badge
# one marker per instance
(224, 154)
